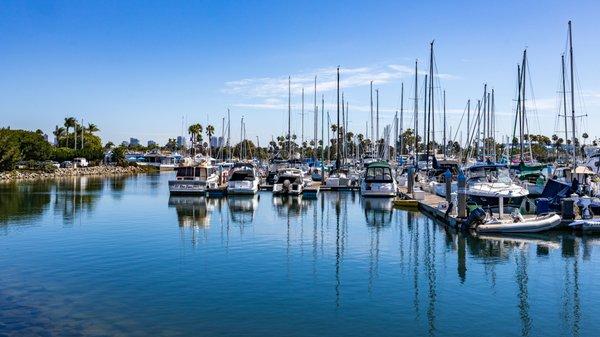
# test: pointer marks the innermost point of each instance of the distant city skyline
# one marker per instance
(146, 68)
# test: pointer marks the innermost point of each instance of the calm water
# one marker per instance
(119, 257)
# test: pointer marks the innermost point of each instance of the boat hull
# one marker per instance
(187, 187)
(538, 224)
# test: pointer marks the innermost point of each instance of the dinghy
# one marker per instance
(519, 225)
(586, 225)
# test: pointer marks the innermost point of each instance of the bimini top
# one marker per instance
(378, 164)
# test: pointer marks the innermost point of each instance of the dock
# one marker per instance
(434, 207)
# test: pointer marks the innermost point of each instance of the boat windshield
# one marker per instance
(195, 172)
(383, 174)
(242, 175)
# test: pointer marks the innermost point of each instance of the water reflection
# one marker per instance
(191, 211)
(341, 261)
(242, 208)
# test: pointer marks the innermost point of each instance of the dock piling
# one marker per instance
(462, 195)
(411, 180)
(448, 180)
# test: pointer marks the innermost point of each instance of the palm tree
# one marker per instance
(109, 145)
(70, 122)
(210, 130)
(59, 132)
(585, 137)
(91, 128)
(195, 130)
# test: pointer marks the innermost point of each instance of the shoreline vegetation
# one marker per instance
(98, 171)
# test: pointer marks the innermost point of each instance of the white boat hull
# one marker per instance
(535, 225)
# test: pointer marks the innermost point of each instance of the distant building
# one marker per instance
(216, 141)
(151, 143)
(134, 142)
(181, 141)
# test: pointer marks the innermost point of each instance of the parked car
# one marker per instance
(66, 164)
(53, 163)
(80, 162)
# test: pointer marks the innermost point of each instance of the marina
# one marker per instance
(216, 168)
(346, 264)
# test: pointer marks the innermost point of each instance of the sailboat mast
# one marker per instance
(425, 120)
(342, 130)
(228, 132)
(372, 131)
(337, 158)
(302, 127)
(523, 109)
(416, 117)
(377, 122)
(316, 122)
(323, 132)
(401, 118)
(431, 99)
(468, 121)
(289, 133)
(564, 92)
(572, 96)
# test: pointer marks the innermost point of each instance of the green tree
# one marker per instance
(70, 122)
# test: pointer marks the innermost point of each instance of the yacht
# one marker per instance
(194, 179)
(243, 179)
(487, 182)
(288, 181)
(378, 181)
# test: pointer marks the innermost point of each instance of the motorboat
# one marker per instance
(517, 224)
(243, 179)
(338, 179)
(194, 179)
(378, 181)
(487, 182)
(288, 181)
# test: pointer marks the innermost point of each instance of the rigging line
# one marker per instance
(535, 110)
(459, 123)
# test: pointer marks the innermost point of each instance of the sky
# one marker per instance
(143, 68)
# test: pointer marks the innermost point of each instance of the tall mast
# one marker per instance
(395, 135)
(316, 123)
(228, 132)
(564, 92)
(302, 127)
(426, 121)
(289, 134)
(468, 121)
(401, 117)
(416, 117)
(323, 132)
(372, 132)
(493, 112)
(523, 109)
(431, 99)
(342, 129)
(572, 96)
(484, 121)
(377, 121)
(337, 158)
(346, 129)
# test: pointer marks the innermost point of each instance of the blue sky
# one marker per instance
(135, 68)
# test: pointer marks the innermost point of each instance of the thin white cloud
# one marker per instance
(277, 87)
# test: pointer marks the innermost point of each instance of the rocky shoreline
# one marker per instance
(71, 172)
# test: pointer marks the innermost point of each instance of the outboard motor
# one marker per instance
(476, 217)
(286, 186)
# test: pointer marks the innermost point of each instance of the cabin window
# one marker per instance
(379, 173)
